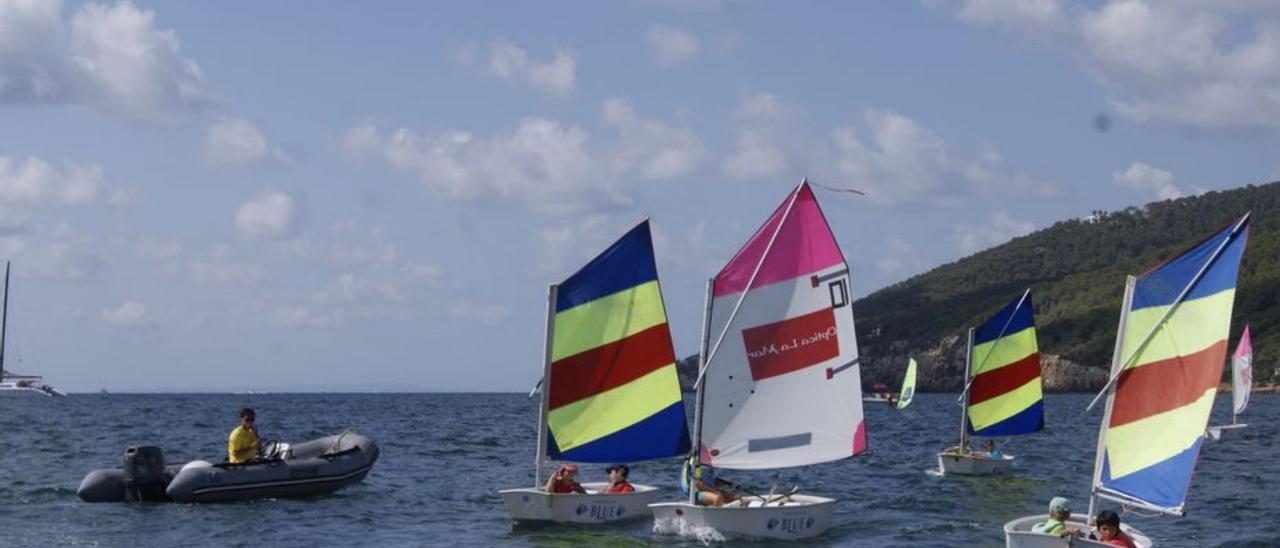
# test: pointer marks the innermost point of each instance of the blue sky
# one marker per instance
(330, 196)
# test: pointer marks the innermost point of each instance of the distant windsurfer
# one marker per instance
(243, 444)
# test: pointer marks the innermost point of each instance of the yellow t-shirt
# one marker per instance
(241, 445)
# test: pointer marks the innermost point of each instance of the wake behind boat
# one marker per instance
(1170, 348)
(779, 386)
(610, 389)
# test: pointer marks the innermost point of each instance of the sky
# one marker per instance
(332, 196)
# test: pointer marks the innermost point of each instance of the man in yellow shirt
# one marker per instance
(243, 444)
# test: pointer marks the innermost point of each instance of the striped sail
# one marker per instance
(1241, 374)
(612, 393)
(1004, 396)
(1170, 358)
(782, 387)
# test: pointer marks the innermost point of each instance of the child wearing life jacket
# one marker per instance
(562, 480)
(618, 479)
(1108, 524)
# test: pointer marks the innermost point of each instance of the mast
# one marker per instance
(964, 410)
(1116, 364)
(546, 386)
(4, 316)
(700, 389)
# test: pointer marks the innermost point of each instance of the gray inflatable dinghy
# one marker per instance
(312, 468)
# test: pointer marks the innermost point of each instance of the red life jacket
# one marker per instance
(620, 487)
(565, 485)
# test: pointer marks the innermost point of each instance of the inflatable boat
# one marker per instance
(312, 468)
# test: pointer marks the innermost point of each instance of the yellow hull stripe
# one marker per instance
(1004, 351)
(1006, 405)
(607, 319)
(1195, 326)
(590, 419)
(1140, 444)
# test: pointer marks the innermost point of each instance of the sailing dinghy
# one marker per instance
(1241, 384)
(1170, 348)
(1002, 394)
(610, 392)
(13, 383)
(904, 396)
(779, 385)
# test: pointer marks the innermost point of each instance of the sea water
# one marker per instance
(445, 456)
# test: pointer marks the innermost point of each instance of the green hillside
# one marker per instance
(1076, 270)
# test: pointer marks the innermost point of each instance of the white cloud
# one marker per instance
(654, 149)
(128, 314)
(761, 147)
(237, 141)
(488, 314)
(1011, 12)
(1001, 228)
(512, 63)
(30, 184)
(1203, 64)
(111, 57)
(902, 159)
(1151, 182)
(541, 163)
(297, 315)
(671, 46)
(901, 255)
(221, 272)
(269, 215)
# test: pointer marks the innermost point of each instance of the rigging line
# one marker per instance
(838, 189)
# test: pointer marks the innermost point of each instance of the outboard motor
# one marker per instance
(144, 474)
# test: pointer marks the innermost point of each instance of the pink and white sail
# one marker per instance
(1241, 373)
(781, 386)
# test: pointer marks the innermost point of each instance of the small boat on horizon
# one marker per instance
(1241, 384)
(11, 382)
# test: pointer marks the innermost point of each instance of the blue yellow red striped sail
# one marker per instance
(1167, 381)
(613, 394)
(1004, 396)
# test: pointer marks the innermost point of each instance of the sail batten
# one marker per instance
(612, 391)
(1173, 343)
(782, 386)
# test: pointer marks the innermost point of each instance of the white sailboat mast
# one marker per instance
(1116, 357)
(964, 397)
(541, 450)
(700, 388)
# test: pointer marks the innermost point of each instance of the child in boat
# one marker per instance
(562, 480)
(243, 444)
(1108, 524)
(709, 489)
(992, 452)
(618, 479)
(1059, 513)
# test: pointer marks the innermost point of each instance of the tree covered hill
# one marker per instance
(1076, 270)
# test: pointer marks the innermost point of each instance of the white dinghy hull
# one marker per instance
(529, 504)
(1017, 534)
(971, 465)
(1215, 433)
(799, 517)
